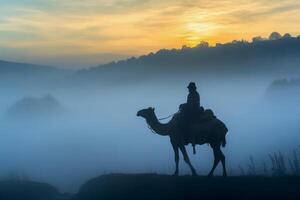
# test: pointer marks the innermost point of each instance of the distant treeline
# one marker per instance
(277, 55)
(237, 51)
(284, 89)
(285, 83)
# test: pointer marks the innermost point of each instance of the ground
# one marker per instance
(153, 186)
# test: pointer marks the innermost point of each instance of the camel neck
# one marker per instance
(159, 128)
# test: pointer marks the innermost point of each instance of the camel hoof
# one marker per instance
(224, 175)
(210, 175)
(175, 174)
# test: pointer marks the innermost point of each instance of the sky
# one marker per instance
(84, 33)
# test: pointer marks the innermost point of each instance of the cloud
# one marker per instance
(16, 35)
(261, 13)
(74, 27)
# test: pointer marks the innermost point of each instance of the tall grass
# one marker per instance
(277, 164)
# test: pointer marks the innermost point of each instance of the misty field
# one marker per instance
(63, 127)
(277, 178)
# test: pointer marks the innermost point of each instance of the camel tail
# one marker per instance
(224, 142)
(225, 130)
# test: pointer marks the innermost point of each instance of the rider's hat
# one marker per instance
(192, 85)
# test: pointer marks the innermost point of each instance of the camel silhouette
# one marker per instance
(211, 132)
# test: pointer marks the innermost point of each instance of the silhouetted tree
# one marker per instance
(275, 36)
(203, 44)
(287, 35)
(258, 39)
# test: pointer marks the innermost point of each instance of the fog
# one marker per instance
(97, 131)
(65, 127)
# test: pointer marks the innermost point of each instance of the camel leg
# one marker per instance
(187, 160)
(216, 160)
(223, 163)
(176, 153)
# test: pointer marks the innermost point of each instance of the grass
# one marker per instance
(277, 164)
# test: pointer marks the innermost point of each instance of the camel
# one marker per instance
(211, 132)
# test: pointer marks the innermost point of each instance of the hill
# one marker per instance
(284, 90)
(283, 84)
(35, 107)
(7, 67)
(29, 190)
(24, 75)
(270, 57)
(153, 186)
(164, 187)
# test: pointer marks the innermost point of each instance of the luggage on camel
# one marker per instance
(189, 119)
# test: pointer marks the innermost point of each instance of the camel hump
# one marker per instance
(222, 125)
(209, 113)
(205, 115)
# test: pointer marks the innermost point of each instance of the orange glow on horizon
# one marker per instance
(137, 27)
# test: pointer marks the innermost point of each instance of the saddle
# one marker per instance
(187, 119)
(197, 116)
(206, 115)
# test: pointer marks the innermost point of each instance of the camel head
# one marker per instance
(146, 113)
(155, 126)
